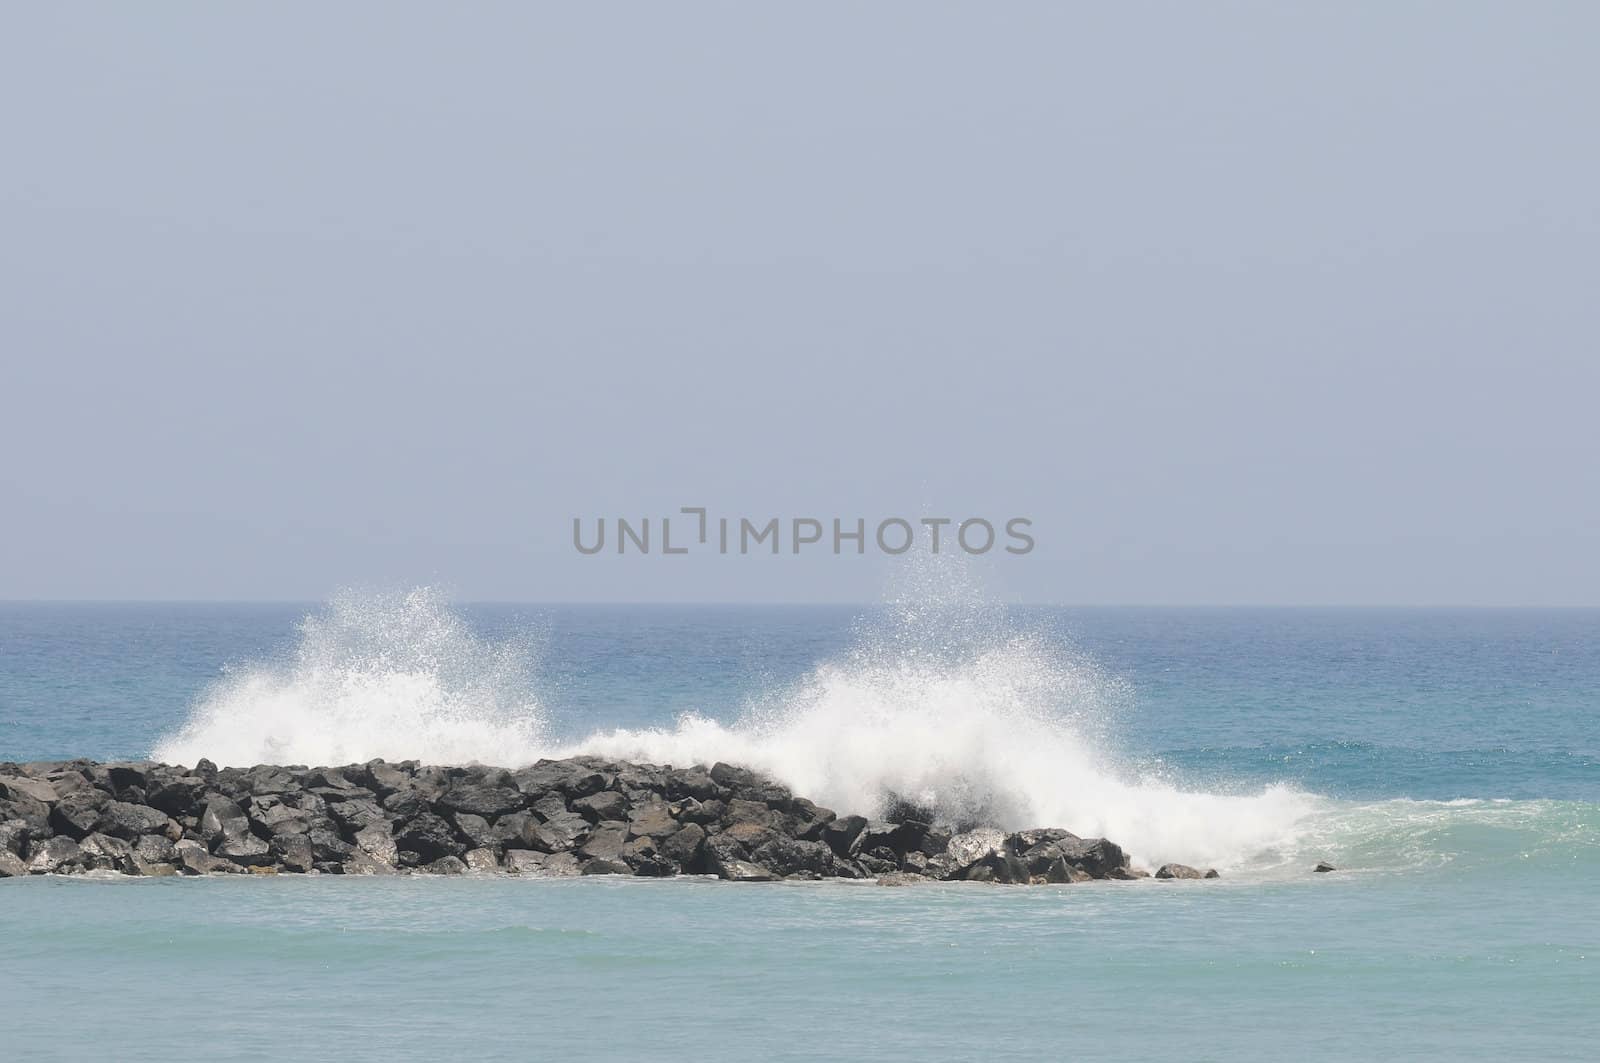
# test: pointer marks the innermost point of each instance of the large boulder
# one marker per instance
(36, 789)
(482, 799)
(120, 819)
(793, 858)
(77, 812)
(54, 856)
(430, 837)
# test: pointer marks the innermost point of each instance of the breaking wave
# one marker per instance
(944, 703)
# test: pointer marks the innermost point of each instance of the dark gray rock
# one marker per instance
(430, 837)
(608, 804)
(36, 789)
(222, 819)
(446, 865)
(791, 857)
(102, 852)
(843, 834)
(179, 796)
(603, 844)
(1323, 867)
(355, 813)
(76, 813)
(481, 799)
(683, 846)
(293, 852)
(691, 782)
(245, 849)
(55, 856)
(1178, 871)
(14, 835)
(602, 865)
(652, 820)
(12, 865)
(121, 819)
(326, 844)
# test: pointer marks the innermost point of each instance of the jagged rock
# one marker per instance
(326, 843)
(567, 830)
(843, 835)
(1094, 855)
(683, 846)
(244, 849)
(361, 862)
(293, 852)
(179, 796)
(14, 835)
(603, 844)
(968, 848)
(651, 820)
(193, 859)
(155, 849)
(76, 813)
(102, 852)
(482, 860)
(222, 819)
(12, 865)
(482, 799)
(541, 865)
(608, 804)
(807, 819)
(383, 778)
(602, 865)
(791, 857)
(34, 789)
(446, 865)
(692, 782)
(571, 779)
(429, 837)
(1178, 871)
(354, 814)
(1127, 874)
(1059, 871)
(1323, 867)
(121, 819)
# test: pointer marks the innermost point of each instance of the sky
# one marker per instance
(1236, 303)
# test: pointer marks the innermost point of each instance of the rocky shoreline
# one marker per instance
(581, 816)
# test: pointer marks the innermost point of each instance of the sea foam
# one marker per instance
(944, 702)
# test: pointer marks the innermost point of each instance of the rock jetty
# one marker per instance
(581, 816)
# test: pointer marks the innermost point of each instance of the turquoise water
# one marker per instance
(1447, 761)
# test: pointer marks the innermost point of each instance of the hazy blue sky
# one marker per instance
(1238, 302)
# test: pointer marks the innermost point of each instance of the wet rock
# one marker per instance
(691, 782)
(14, 835)
(1060, 872)
(102, 852)
(54, 856)
(1323, 867)
(476, 830)
(193, 859)
(244, 849)
(1178, 871)
(1127, 874)
(482, 799)
(384, 778)
(541, 865)
(1094, 855)
(446, 865)
(969, 847)
(843, 835)
(12, 865)
(361, 862)
(293, 852)
(791, 857)
(482, 860)
(605, 866)
(901, 878)
(430, 837)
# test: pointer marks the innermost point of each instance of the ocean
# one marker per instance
(1446, 761)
